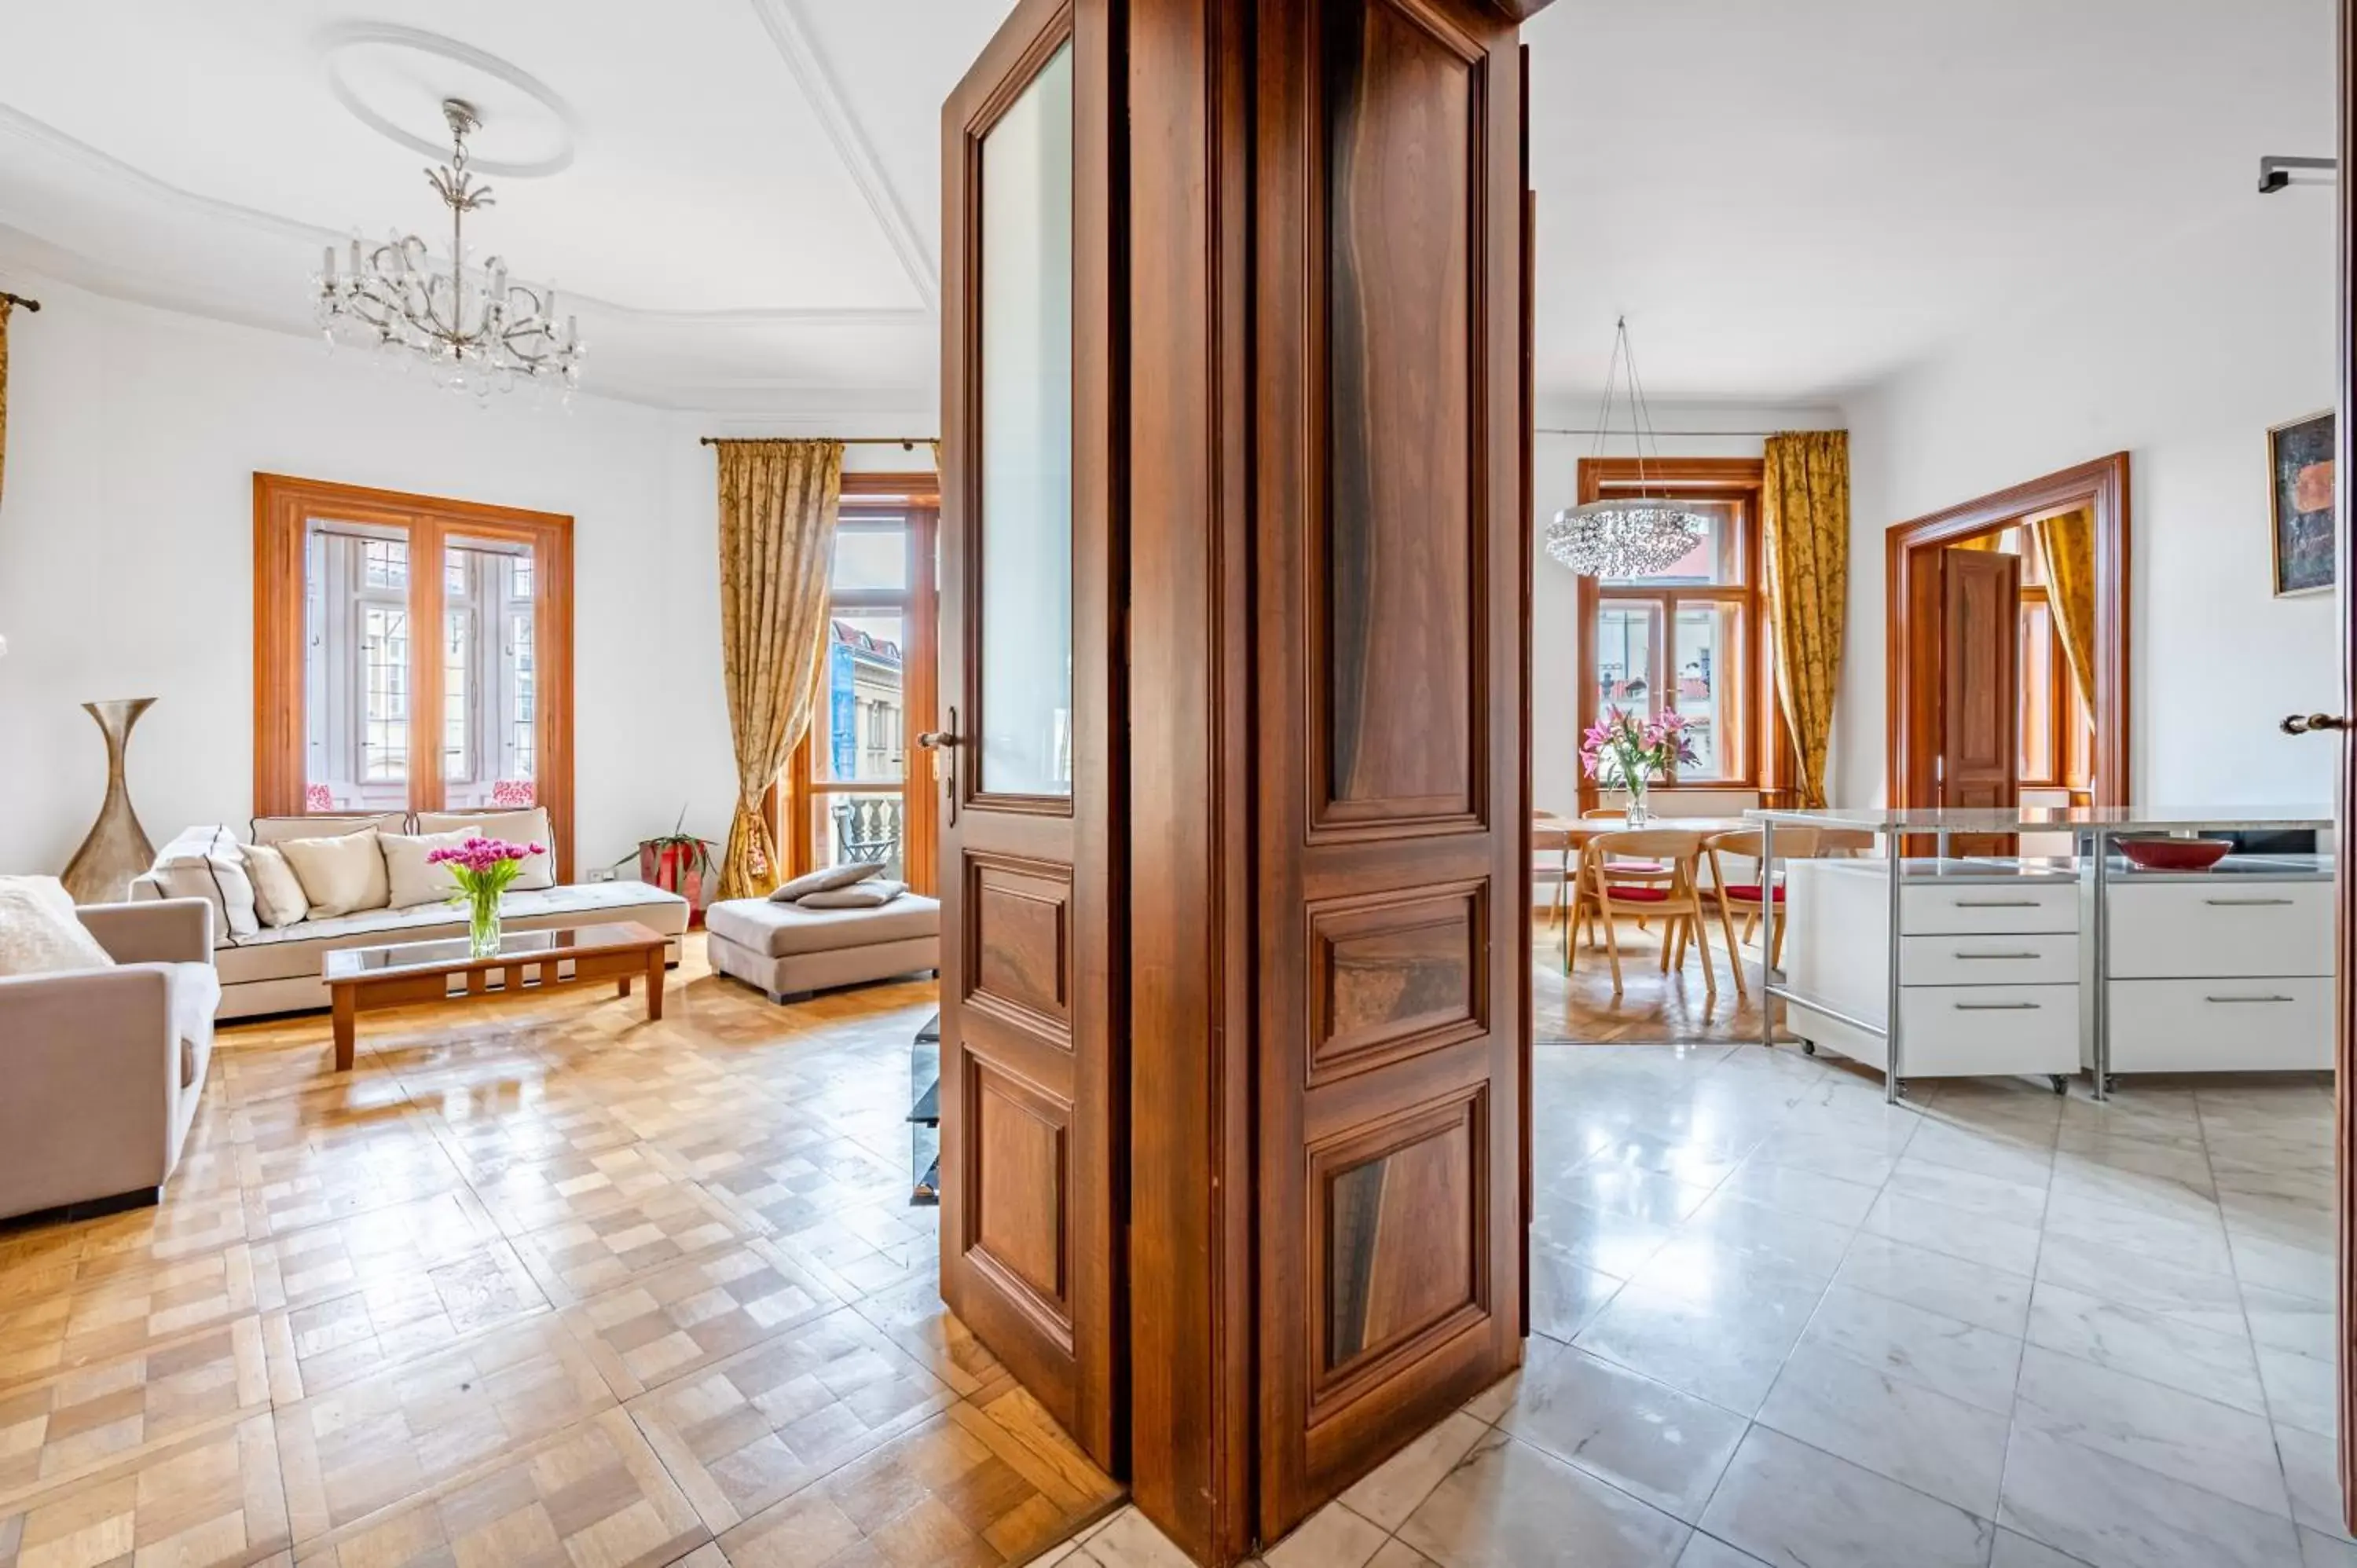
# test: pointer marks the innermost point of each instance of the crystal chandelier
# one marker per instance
(475, 336)
(1625, 537)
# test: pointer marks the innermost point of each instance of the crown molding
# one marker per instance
(787, 29)
(97, 164)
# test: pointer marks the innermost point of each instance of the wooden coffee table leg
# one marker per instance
(622, 986)
(347, 1022)
(654, 984)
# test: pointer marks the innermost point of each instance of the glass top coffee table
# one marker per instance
(397, 974)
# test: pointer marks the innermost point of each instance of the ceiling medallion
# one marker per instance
(476, 331)
(1625, 537)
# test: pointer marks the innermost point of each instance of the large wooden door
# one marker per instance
(1031, 903)
(1387, 639)
(1980, 687)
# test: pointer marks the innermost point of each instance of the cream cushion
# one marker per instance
(206, 862)
(278, 830)
(516, 827)
(39, 933)
(339, 875)
(278, 898)
(825, 880)
(872, 893)
(410, 881)
(782, 930)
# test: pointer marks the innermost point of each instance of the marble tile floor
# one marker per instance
(536, 1283)
(1782, 1323)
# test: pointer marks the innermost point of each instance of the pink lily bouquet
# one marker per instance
(1625, 751)
(483, 868)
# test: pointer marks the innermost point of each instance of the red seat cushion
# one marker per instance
(1641, 894)
(1749, 892)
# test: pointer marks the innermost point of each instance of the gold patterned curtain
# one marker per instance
(6, 305)
(777, 502)
(2067, 544)
(1804, 507)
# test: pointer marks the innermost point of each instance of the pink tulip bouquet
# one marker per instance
(483, 868)
(1626, 751)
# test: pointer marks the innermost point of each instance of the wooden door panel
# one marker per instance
(1390, 793)
(1980, 709)
(1031, 1064)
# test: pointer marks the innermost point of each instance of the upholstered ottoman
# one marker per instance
(790, 951)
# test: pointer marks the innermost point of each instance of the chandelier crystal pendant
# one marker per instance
(476, 332)
(1625, 537)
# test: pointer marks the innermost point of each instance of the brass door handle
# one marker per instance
(2308, 723)
(946, 741)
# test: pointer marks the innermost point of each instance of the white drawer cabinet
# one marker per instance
(2034, 959)
(1948, 1031)
(1944, 908)
(2248, 1025)
(2232, 926)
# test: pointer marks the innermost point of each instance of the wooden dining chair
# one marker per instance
(1601, 890)
(1752, 897)
(1551, 858)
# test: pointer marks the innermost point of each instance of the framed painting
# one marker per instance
(2299, 485)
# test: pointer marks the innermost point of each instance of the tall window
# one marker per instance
(855, 791)
(1691, 638)
(2058, 734)
(353, 705)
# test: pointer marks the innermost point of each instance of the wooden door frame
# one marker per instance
(1770, 762)
(2344, 880)
(1910, 712)
(282, 507)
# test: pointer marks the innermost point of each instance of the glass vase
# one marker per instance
(1638, 813)
(482, 925)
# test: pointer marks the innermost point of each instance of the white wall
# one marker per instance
(1555, 603)
(126, 562)
(2182, 358)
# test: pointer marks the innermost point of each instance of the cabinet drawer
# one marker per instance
(2037, 959)
(1946, 1031)
(2221, 1025)
(1984, 909)
(2166, 931)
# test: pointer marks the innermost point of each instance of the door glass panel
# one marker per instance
(870, 557)
(1025, 555)
(858, 731)
(356, 661)
(490, 750)
(1708, 639)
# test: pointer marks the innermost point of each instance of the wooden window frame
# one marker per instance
(1763, 750)
(915, 500)
(284, 506)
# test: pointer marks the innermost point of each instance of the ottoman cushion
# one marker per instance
(782, 931)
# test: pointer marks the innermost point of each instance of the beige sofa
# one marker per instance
(100, 1068)
(278, 970)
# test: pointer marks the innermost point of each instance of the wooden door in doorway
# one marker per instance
(1980, 688)
(1388, 656)
(1032, 1078)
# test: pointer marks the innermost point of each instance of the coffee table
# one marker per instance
(363, 980)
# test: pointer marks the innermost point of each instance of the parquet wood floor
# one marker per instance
(1653, 1007)
(548, 1284)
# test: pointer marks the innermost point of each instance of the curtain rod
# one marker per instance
(1730, 435)
(908, 443)
(20, 299)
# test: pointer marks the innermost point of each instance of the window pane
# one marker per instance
(870, 557)
(1709, 676)
(2038, 761)
(355, 666)
(1717, 554)
(490, 750)
(863, 826)
(1624, 658)
(385, 662)
(1026, 555)
(857, 733)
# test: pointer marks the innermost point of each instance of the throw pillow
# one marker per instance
(872, 895)
(39, 933)
(278, 896)
(516, 827)
(278, 830)
(411, 881)
(834, 876)
(204, 863)
(339, 875)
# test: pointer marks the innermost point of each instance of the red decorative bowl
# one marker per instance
(2159, 854)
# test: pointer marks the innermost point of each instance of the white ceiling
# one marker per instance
(1791, 198)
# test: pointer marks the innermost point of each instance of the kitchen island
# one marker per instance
(1938, 965)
